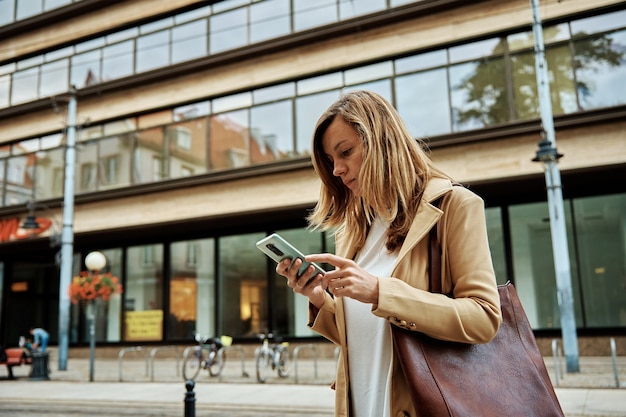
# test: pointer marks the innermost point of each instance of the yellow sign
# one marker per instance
(144, 325)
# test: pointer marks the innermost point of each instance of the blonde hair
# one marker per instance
(394, 172)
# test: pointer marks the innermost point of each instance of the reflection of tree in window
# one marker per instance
(480, 92)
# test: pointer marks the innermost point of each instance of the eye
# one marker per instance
(346, 152)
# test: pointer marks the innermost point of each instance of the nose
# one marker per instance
(338, 169)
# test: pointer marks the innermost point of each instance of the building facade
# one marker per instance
(193, 129)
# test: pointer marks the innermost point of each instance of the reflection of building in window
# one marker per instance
(192, 254)
(252, 306)
(87, 176)
(183, 301)
(180, 137)
(157, 168)
(110, 169)
(148, 255)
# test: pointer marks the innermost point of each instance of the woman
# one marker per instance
(378, 189)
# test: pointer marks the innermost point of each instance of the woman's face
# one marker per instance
(343, 147)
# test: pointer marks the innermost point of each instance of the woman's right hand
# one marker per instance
(308, 284)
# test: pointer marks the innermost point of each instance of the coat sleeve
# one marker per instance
(323, 321)
(469, 309)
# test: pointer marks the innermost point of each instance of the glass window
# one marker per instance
(229, 30)
(533, 264)
(600, 68)
(86, 69)
(474, 50)
(352, 8)
(276, 92)
(308, 14)
(28, 8)
(368, 72)
(271, 137)
(122, 35)
(291, 311)
(18, 185)
(90, 44)
(192, 15)
(243, 294)
(143, 294)
(320, 83)
(421, 61)
(25, 85)
(229, 136)
(5, 85)
(153, 51)
(188, 147)
(50, 163)
(423, 103)
(478, 93)
(382, 87)
(54, 4)
(495, 233)
(115, 161)
(601, 244)
(525, 86)
(7, 12)
(109, 323)
(156, 25)
(192, 289)
(86, 164)
(150, 161)
(269, 19)
(308, 111)
(234, 101)
(191, 111)
(117, 61)
(54, 78)
(601, 23)
(189, 41)
(562, 83)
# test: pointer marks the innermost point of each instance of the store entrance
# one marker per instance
(31, 299)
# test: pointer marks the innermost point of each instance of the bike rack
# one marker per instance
(220, 354)
(614, 357)
(121, 354)
(295, 359)
(154, 351)
(556, 358)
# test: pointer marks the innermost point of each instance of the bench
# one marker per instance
(15, 357)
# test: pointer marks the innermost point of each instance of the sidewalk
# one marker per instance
(159, 391)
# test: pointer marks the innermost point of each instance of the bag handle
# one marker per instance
(434, 256)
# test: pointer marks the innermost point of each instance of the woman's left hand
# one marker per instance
(348, 279)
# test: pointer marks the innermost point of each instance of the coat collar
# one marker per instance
(427, 214)
(426, 217)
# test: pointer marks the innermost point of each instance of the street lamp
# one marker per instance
(94, 261)
(548, 155)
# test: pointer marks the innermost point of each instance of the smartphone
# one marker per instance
(278, 249)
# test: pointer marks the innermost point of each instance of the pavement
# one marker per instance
(153, 387)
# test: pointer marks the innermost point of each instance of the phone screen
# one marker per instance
(278, 249)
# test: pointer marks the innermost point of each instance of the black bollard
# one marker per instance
(190, 399)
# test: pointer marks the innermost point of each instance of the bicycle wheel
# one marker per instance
(283, 363)
(216, 361)
(192, 363)
(263, 364)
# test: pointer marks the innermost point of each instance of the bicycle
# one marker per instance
(194, 358)
(272, 354)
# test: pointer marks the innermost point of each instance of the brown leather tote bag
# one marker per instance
(506, 377)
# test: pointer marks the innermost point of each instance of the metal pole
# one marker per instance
(91, 314)
(190, 399)
(548, 155)
(67, 235)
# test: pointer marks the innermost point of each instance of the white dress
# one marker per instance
(369, 337)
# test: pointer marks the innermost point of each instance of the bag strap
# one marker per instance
(434, 256)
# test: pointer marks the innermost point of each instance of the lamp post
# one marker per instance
(548, 155)
(67, 233)
(94, 261)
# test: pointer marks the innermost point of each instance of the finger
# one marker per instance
(328, 258)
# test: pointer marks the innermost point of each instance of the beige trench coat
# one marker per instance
(471, 315)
